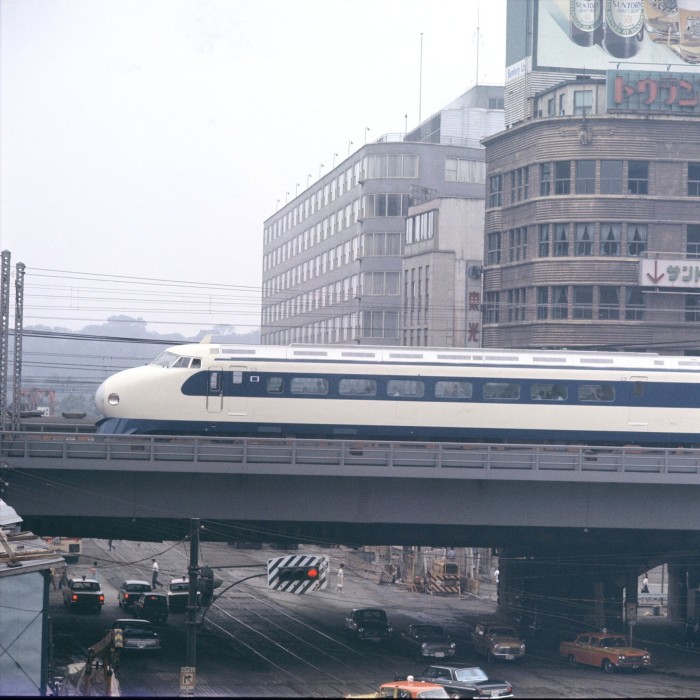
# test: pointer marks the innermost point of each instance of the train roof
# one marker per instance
(413, 355)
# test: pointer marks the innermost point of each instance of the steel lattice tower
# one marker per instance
(19, 328)
(4, 331)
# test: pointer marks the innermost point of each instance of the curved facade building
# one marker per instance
(592, 223)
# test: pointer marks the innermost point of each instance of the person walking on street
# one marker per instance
(154, 578)
(52, 571)
(645, 584)
(63, 581)
(93, 572)
(109, 544)
(339, 578)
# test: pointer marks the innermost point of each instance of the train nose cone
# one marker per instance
(100, 396)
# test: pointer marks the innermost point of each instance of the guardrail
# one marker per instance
(475, 457)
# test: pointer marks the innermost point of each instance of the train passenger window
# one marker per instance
(357, 386)
(237, 376)
(214, 381)
(309, 385)
(596, 392)
(275, 385)
(453, 390)
(548, 392)
(638, 389)
(501, 390)
(405, 388)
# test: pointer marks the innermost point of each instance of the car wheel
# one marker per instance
(608, 666)
(455, 695)
(572, 661)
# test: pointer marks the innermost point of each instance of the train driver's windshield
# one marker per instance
(170, 359)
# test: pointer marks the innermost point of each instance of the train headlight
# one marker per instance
(113, 399)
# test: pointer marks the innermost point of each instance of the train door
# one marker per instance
(638, 401)
(236, 402)
(215, 390)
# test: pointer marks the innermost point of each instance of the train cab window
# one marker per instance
(548, 392)
(501, 390)
(165, 359)
(309, 385)
(182, 362)
(275, 385)
(196, 363)
(405, 388)
(453, 390)
(596, 392)
(357, 386)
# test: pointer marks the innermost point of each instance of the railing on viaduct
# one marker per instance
(548, 462)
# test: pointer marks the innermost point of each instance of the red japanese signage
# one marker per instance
(642, 91)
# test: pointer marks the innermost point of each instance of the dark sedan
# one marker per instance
(462, 682)
(138, 634)
(427, 641)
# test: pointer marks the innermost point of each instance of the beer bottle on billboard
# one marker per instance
(623, 27)
(585, 21)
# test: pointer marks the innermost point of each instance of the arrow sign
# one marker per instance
(656, 277)
(187, 677)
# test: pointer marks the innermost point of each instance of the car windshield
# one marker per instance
(179, 587)
(137, 587)
(371, 615)
(502, 632)
(470, 674)
(86, 586)
(613, 642)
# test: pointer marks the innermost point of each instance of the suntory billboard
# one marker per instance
(599, 35)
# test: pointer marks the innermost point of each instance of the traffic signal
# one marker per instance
(298, 573)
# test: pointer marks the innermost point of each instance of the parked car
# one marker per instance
(428, 640)
(368, 624)
(130, 590)
(137, 634)
(604, 650)
(151, 606)
(409, 688)
(84, 593)
(471, 682)
(178, 594)
(497, 641)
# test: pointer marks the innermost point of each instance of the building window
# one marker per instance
(611, 177)
(561, 240)
(636, 239)
(542, 303)
(496, 191)
(560, 303)
(692, 245)
(692, 307)
(638, 177)
(390, 166)
(551, 107)
(583, 302)
(380, 324)
(545, 179)
(583, 101)
(584, 239)
(462, 170)
(610, 239)
(609, 304)
(519, 184)
(634, 309)
(694, 179)
(585, 177)
(493, 252)
(517, 249)
(543, 250)
(492, 310)
(562, 177)
(562, 110)
(517, 302)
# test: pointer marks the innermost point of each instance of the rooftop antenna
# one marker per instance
(477, 42)
(420, 80)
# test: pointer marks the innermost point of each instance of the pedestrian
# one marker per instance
(339, 578)
(645, 584)
(451, 553)
(93, 572)
(496, 574)
(63, 581)
(52, 572)
(154, 578)
(109, 544)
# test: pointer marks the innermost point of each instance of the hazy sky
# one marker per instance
(151, 138)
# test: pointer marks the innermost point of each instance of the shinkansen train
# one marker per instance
(393, 393)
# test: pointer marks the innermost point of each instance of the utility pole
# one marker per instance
(187, 673)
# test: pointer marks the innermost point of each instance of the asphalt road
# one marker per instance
(261, 643)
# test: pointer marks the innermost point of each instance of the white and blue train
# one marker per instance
(393, 393)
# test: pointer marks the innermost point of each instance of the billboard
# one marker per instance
(598, 35)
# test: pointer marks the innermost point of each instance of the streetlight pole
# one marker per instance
(192, 572)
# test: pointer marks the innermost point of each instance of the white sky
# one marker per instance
(152, 138)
